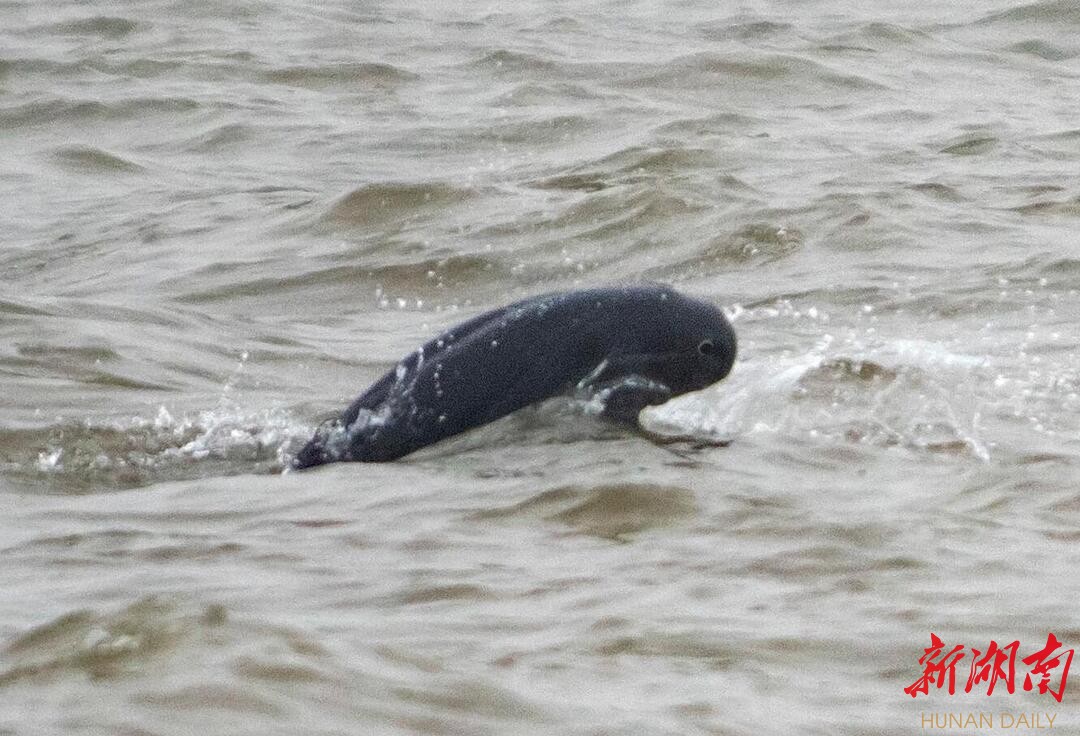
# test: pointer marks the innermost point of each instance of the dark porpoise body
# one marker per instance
(630, 346)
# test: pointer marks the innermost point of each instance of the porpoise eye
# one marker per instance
(708, 347)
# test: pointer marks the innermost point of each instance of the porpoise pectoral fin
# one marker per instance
(624, 398)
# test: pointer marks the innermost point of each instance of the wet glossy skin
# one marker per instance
(632, 346)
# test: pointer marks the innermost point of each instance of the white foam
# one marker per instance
(921, 398)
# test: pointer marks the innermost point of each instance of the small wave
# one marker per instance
(343, 75)
(72, 110)
(629, 166)
(698, 646)
(143, 68)
(392, 284)
(15, 308)
(1065, 207)
(529, 130)
(49, 111)
(534, 93)
(468, 697)
(876, 37)
(84, 354)
(561, 24)
(99, 25)
(220, 137)
(940, 191)
(749, 246)
(429, 594)
(1062, 267)
(605, 213)
(689, 70)
(217, 697)
(972, 144)
(152, 632)
(504, 61)
(609, 511)
(1042, 50)
(91, 160)
(573, 182)
(85, 364)
(100, 645)
(377, 204)
(760, 242)
(748, 30)
(710, 125)
(1055, 13)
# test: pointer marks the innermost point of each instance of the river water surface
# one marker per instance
(221, 220)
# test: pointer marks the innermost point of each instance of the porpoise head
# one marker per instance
(684, 343)
(712, 347)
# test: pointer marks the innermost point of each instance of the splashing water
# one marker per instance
(139, 450)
